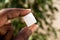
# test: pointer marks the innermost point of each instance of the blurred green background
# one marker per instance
(40, 9)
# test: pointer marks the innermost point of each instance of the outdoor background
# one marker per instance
(46, 12)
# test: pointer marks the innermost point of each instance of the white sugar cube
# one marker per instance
(29, 19)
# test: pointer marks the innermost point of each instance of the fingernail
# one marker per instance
(28, 9)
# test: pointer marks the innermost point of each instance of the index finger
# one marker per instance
(9, 13)
(14, 12)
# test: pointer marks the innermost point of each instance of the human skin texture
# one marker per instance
(6, 27)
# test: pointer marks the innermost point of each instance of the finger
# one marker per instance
(23, 34)
(10, 13)
(15, 12)
(3, 20)
(4, 29)
(26, 32)
(33, 27)
(10, 30)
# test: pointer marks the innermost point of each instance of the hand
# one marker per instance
(5, 26)
(9, 13)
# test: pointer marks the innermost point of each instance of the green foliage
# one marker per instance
(39, 9)
(18, 24)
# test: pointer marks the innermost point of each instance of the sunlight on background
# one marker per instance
(6, 1)
(56, 22)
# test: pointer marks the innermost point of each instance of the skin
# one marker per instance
(6, 27)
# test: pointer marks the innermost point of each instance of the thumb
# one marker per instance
(26, 32)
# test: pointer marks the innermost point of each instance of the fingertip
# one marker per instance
(25, 12)
(28, 9)
(36, 25)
